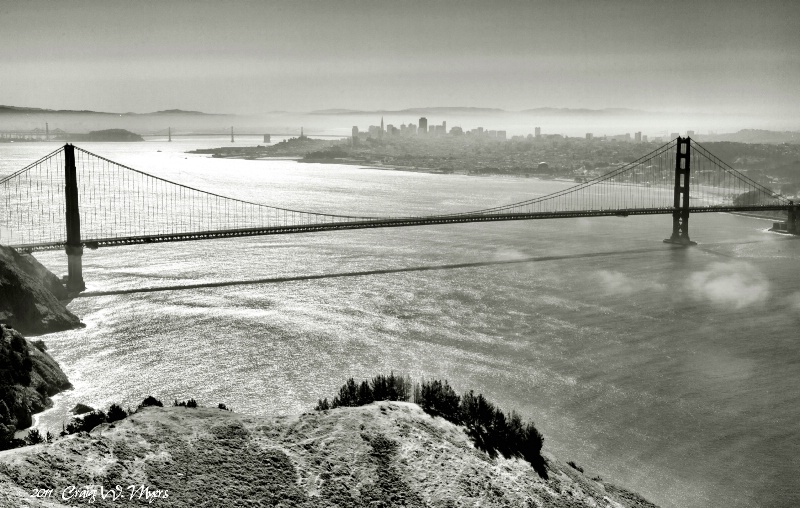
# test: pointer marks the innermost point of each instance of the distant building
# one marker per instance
(644, 139)
(589, 135)
(501, 135)
(355, 131)
(444, 126)
(638, 137)
(538, 132)
(674, 135)
(456, 131)
(423, 125)
(690, 134)
(381, 125)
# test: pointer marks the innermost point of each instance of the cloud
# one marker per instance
(618, 283)
(731, 285)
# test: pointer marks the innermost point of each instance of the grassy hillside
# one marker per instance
(382, 454)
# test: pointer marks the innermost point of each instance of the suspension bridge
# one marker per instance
(72, 199)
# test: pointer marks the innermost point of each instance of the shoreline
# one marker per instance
(393, 167)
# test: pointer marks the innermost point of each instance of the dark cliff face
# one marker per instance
(29, 296)
(28, 377)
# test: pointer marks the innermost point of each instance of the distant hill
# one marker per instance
(35, 111)
(14, 118)
(179, 112)
(459, 110)
(39, 111)
(413, 111)
(756, 136)
(583, 112)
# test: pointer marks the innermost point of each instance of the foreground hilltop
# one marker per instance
(385, 454)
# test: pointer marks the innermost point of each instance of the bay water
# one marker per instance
(674, 372)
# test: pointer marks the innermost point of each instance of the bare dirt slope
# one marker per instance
(385, 454)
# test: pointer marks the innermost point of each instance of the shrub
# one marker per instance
(116, 413)
(575, 466)
(439, 399)
(223, 407)
(348, 395)
(34, 437)
(390, 387)
(150, 401)
(187, 403)
(86, 422)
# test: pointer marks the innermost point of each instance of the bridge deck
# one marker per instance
(383, 223)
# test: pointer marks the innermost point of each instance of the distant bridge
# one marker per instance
(72, 199)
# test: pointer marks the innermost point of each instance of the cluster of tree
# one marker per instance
(185, 403)
(92, 419)
(492, 430)
(381, 387)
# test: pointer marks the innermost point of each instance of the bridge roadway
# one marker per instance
(384, 223)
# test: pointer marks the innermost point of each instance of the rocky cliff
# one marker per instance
(28, 377)
(386, 454)
(30, 296)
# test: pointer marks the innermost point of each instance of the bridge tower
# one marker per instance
(74, 247)
(680, 215)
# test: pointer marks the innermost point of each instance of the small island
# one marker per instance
(105, 135)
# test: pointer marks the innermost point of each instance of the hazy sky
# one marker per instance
(721, 56)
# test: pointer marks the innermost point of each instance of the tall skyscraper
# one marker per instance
(381, 126)
(638, 137)
(444, 126)
(423, 125)
(538, 132)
